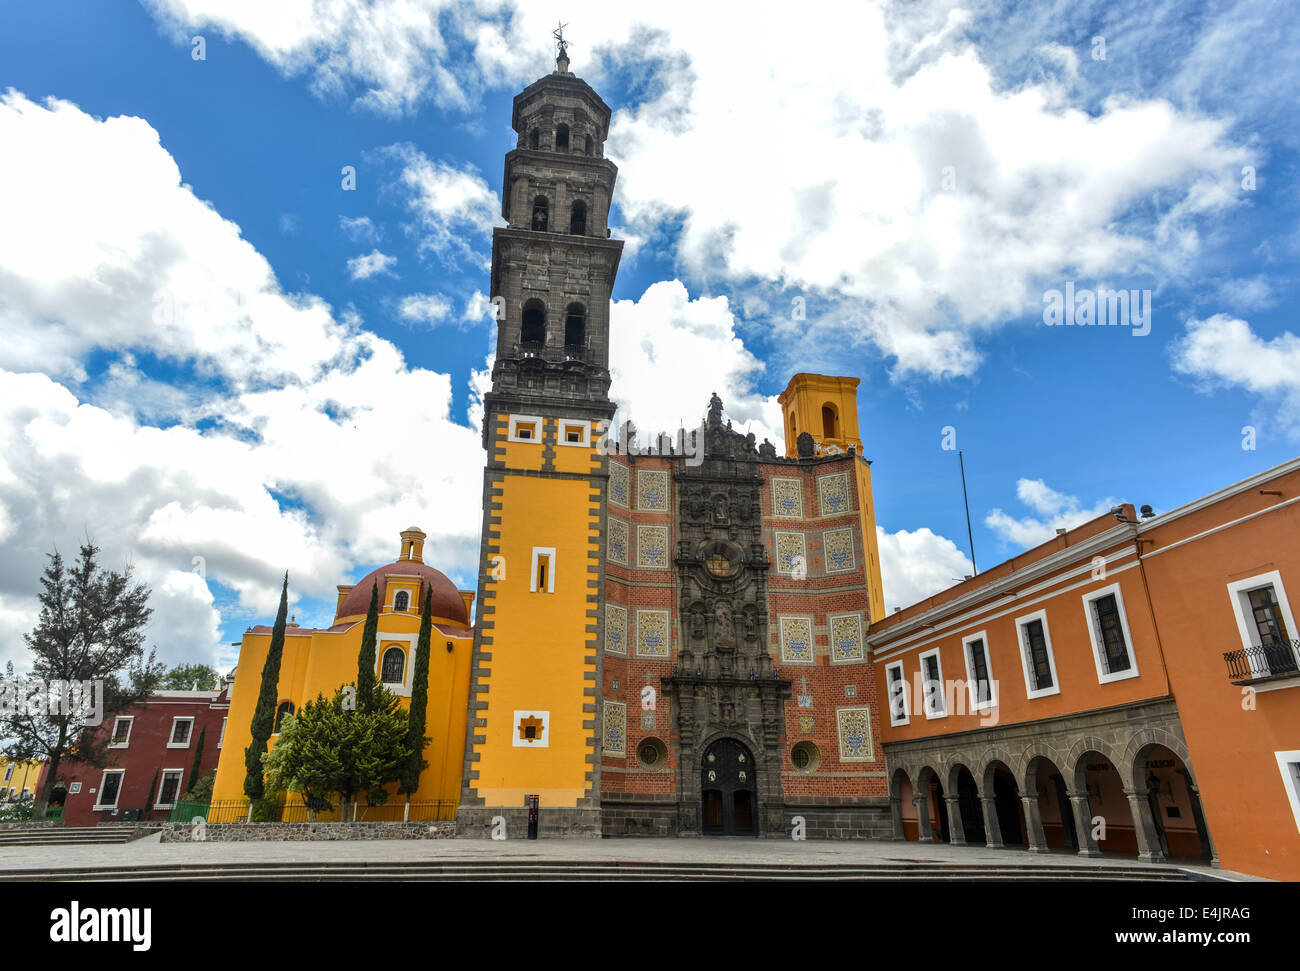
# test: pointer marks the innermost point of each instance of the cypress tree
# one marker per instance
(366, 659)
(198, 759)
(415, 738)
(264, 713)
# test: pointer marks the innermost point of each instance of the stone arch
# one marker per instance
(1076, 764)
(1145, 738)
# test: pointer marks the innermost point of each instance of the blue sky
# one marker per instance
(222, 364)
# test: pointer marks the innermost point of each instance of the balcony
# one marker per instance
(1263, 662)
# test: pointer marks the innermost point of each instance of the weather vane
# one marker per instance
(561, 45)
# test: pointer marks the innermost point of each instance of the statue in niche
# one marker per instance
(698, 627)
(722, 626)
(751, 625)
(720, 509)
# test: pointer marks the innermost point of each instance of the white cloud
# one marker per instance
(425, 308)
(1053, 510)
(827, 173)
(287, 446)
(371, 264)
(669, 353)
(1224, 351)
(454, 208)
(917, 564)
(86, 254)
(360, 229)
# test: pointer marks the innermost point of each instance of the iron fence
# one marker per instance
(1271, 660)
(293, 810)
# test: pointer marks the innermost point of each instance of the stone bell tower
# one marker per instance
(534, 724)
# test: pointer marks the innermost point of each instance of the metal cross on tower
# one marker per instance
(561, 45)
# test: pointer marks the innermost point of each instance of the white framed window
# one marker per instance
(1036, 658)
(110, 787)
(932, 686)
(402, 601)
(897, 682)
(575, 433)
(182, 729)
(392, 666)
(1288, 764)
(1265, 623)
(1112, 644)
(122, 731)
(979, 672)
(525, 428)
(222, 737)
(169, 788)
(543, 571)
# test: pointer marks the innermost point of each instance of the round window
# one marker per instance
(805, 756)
(652, 753)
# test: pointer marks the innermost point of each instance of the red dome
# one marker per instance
(447, 601)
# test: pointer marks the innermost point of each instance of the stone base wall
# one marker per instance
(476, 822)
(842, 819)
(30, 824)
(257, 832)
(824, 818)
(627, 818)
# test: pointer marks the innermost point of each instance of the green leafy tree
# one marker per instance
(326, 749)
(201, 788)
(184, 677)
(198, 756)
(416, 740)
(264, 713)
(366, 659)
(90, 631)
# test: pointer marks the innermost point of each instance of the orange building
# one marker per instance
(1076, 696)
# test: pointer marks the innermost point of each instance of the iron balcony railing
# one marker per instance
(1273, 659)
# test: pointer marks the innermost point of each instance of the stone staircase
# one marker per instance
(71, 835)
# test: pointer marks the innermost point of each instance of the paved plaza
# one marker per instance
(150, 851)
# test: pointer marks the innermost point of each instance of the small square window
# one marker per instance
(575, 433)
(524, 428)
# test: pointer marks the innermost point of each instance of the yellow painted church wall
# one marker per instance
(542, 635)
(319, 662)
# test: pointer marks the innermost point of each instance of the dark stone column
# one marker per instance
(1148, 839)
(924, 832)
(1034, 823)
(992, 831)
(896, 817)
(1198, 816)
(1083, 824)
(956, 826)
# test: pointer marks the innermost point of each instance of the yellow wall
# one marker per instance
(801, 405)
(24, 775)
(320, 661)
(540, 659)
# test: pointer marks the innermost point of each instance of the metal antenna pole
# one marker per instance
(969, 535)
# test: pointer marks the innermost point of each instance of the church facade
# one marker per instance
(667, 644)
